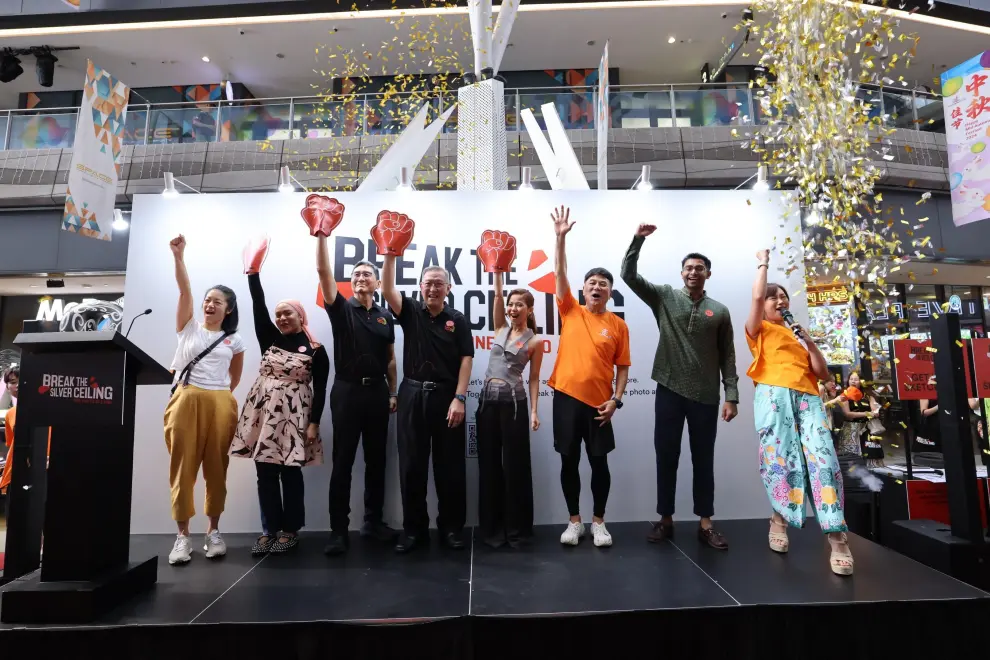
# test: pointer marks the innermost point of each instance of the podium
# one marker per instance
(80, 387)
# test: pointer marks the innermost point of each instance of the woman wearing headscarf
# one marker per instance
(279, 425)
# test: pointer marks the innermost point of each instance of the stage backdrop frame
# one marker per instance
(727, 226)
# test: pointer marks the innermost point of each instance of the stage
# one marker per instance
(633, 599)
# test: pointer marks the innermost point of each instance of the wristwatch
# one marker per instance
(618, 404)
(460, 397)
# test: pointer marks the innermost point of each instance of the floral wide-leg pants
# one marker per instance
(796, 452)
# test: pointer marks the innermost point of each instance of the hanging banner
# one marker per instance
(95, 167)
(981, 367)
(603, 120)
(966, 104)
(914, 369)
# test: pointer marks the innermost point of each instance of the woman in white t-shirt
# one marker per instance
(201, 416)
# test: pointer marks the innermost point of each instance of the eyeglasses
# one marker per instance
(434, 285)
(362, 275)
(694, 269)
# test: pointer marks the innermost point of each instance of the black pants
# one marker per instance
(574, 422)
(280, 492)
(505, 474)
(702, 420)
(422, 422)
(360, 414)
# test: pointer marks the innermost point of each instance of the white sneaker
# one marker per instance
(573, 533)
(181, 551)
(215, 547)
(602, 538)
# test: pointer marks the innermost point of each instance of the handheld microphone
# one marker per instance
(144, 313)
(789, 320)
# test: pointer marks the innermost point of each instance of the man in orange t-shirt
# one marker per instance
(593, 348)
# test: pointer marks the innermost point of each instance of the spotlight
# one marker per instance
(761, 179)
(45, 66)
(119, 224)
(285, 180)
(10, 67)
(527, 178)
(747, 15)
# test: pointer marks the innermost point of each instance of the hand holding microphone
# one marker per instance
(792, 324)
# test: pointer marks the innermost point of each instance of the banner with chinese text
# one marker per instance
(95, 167)
(966, 104)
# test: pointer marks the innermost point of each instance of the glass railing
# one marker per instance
(632, 106)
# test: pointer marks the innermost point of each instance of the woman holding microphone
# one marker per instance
(796, 449)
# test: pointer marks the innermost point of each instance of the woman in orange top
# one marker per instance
(796, 448)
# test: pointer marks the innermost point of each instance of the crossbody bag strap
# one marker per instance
(187, 370)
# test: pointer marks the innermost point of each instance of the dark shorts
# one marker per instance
(574, 421)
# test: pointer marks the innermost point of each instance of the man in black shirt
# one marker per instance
(362, 396)
(436, 367)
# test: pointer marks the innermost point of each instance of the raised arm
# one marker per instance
(647, 292)
(755, 318)
(389, 292)
(184, 309)
(562, 224)
(498, 313)
(264, 328)
(328, 285)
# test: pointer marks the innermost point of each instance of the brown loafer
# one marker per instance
(661, 532)
(712, 538)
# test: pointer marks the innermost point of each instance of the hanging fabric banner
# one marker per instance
(966, 105)
(95, 166)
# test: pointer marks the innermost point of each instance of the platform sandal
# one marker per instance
(281, 546)
(841, 562)
(262, 548)
(778, 540)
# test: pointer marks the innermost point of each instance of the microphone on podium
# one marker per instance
(144, 313)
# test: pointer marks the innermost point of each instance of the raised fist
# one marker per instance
(393, 232)
(178, 246)
(322, 214)
(497, 251)
(255, 253)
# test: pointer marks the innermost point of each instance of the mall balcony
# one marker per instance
(692, 136)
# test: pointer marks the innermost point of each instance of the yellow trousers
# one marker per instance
(199, 427)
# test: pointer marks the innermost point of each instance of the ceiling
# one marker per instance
(97, 286)
(546, 36)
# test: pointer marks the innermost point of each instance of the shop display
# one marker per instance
(832, 329)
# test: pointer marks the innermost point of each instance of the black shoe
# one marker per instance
(379, 531)
(280, 546)
(262, 548)
(406, 543)
(454, 540)
(337, 545)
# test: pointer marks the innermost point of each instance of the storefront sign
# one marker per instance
(836, 294)
(914, 369)
(930, 501)
(966, 104)
(968, 309)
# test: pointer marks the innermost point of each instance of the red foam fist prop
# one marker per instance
(255, 253)
(393, 233)
(322, 214)
(497, 251)
(853, 394)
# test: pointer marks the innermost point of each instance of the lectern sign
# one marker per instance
(914, 369)
(73, 389)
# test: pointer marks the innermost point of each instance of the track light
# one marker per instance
(10, 67)
(285, 180)
(761, 179)
(170, 190)
(119, 224)
(527, 178)
(45, 66)
(643, 182)
(404, 183)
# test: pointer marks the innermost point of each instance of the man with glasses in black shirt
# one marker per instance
(436, 366)
(362, 396)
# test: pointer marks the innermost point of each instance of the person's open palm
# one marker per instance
(562, 222)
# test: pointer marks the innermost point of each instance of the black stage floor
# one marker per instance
(632, 599)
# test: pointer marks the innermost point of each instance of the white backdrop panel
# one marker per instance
(720, 224)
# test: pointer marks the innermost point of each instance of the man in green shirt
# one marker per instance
(695, 347)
